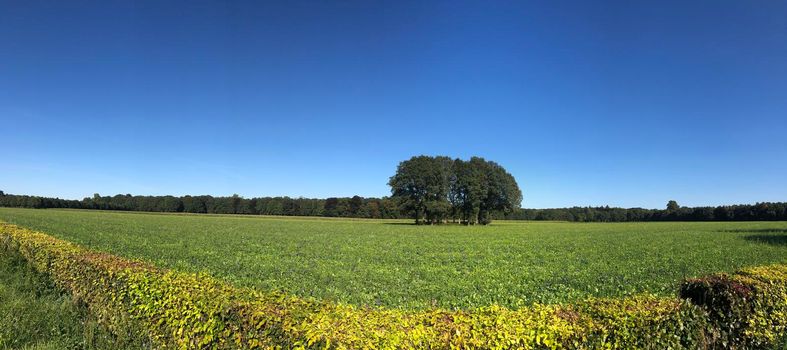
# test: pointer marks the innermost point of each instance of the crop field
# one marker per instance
(395, 264)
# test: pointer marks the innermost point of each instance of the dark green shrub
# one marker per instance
(747, 309)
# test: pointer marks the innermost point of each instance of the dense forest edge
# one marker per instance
(388, 208)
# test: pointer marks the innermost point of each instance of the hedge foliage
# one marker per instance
(747, 308)
(175, 310)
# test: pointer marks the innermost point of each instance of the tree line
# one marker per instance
(439, 189)
(764, 211)
(355, 207)
(388, 208)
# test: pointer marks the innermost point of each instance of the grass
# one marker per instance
(36, 315)
(31, 315)
(390, 263)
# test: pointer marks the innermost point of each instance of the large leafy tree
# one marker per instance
(481, 188)
(469, 189)
(502, 192)
(421, 185)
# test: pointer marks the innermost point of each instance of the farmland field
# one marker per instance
(395, 264)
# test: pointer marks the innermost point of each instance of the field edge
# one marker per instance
(180, 309)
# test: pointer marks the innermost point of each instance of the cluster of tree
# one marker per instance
(745, 212)
(388, 208)
(438, 189)
(358, 207)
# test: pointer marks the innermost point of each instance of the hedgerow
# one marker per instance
(747, 308)
(176, 310)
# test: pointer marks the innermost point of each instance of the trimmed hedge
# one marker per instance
(177, 310)
(748, 308)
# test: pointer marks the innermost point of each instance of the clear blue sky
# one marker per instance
(615, 103)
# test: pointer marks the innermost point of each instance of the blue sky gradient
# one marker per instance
(586, 103)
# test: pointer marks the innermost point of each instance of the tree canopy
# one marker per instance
(437, 189)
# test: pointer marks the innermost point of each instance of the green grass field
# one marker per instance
(395, 264)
